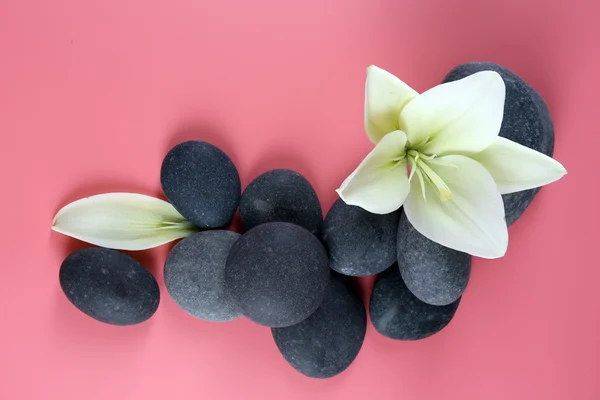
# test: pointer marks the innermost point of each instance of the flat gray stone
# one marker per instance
(281, 195)
(397, 314)
(109, 286)
(277, 273)
(195, 275)
(202, 183)
(327, 342)
(435, 274)
(526, 121)
(359, 243)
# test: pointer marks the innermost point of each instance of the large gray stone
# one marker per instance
(359, 243)
(526, 121)
(435, 274)
(109, 286)
(277, 273)
(195, 275)
(328, 341)
(396, 313)
(202, 183)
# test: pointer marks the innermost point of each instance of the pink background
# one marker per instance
(94, 93)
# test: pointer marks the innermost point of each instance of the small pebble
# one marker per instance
(435, 274)
(277, 273)
(202, 183)
(526, 121)
(359, 243)
(195, 275)
(397, 314)
(327, 342)
(109, 286)
(281, 195)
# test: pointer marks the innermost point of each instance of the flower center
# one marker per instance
(419, 167)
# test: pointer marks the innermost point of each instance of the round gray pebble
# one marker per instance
(328, 341)
(526, 121)
(202, 183)
(397, 314)
(277, 273)
(109, 286)
(281, 195)
(359, 243)
(195, 275)
(435, 274)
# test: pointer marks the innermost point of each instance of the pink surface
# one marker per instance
(94, 93)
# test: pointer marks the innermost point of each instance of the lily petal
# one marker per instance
(385, 97)
(471, 220)
(515, 167)
(124, 221)
(463, 116)
(380, 183)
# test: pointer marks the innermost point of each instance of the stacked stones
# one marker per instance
(291, 271)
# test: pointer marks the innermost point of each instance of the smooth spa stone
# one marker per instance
(281, 195)
(202, 183)
(328, 341)
(435, 274)
(526, 121)
(109, 286)
(397, 314)
(195, 275)
(358, 242)
(277, 273)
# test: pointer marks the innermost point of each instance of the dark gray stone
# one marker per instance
(195, 275)
(435, 274)
(396, 313)
(277, 273)
(328, 341)
(359, 243)
(281, 195)
(202, 183)
(526, 121)
(109, 286)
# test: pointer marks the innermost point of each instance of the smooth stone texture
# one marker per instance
(202, 183)
(397, 314)
(109, 286)
(195, 275)
(277, 273)
(281, 195)
(526, 121)
(359, 243)
(328, 341)
(435, 274)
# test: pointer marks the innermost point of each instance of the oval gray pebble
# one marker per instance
(359, 243)
(277, 273)
(202, 183)
(281, 195)
(397, 314)
(526, 121)
(435, 274)
(328, 341)
(195, 275)
(109, 286)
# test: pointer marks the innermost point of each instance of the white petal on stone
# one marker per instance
(472, 220)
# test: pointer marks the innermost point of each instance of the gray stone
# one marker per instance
(526, 121)
(202, 183)
(435, 274)
(328, 341)
(281, 195)
(195, 275)
(277, 273)
(397, 314)
(109, 286)
(359, 243)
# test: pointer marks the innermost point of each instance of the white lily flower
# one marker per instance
(439, 155)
